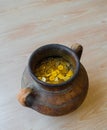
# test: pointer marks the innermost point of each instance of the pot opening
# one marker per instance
(53, 52)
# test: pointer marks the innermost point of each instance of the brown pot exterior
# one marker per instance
(54, 101)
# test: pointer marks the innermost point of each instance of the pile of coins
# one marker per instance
(54, 70)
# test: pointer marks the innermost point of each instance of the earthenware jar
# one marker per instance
(54, 99)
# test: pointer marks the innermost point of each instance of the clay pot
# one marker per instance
(54, 99)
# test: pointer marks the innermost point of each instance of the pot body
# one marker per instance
(55, 100)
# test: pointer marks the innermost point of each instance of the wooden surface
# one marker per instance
(25, 25)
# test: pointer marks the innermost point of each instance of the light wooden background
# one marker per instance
(26, 25)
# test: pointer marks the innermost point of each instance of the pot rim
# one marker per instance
(69, 50)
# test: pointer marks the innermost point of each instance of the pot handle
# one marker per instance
(26, 97)
(78, 49)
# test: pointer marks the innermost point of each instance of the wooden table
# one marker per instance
(26, 25)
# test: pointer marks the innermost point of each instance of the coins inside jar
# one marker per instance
(54, 70)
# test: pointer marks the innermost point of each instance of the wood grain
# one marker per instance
(28, 24)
